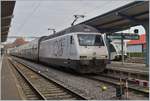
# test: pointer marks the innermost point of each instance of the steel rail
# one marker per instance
(115, 82)
(28, 81)
(77, 95)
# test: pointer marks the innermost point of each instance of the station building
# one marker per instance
(137, 46)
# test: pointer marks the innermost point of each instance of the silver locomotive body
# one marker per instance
(83, 52)
(80, 48)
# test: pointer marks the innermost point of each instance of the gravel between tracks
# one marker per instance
(87, 87)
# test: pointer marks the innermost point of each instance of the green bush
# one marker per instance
(136, 54)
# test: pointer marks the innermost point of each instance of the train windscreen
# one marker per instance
(112, 48)
(90, 40)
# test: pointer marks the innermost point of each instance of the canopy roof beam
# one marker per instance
(131, 18)
(7, 17)
(6, 26)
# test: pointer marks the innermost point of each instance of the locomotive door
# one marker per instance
(72, 47)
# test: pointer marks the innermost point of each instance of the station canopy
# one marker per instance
(121, 18)
(7, 8)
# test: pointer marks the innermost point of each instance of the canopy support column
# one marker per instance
(146, 26)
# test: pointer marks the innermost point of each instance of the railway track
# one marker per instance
(128, 73)
(116, 82)
(36, 86)
(28, 92)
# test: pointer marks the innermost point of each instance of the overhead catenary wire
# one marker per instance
(98, 7)
(79, 9)
(14, 37)
(70, 17)
(104, 5)
(29, 16)
(91, 11)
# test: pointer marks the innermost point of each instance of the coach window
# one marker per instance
(71, 40)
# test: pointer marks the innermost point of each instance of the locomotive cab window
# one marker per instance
(112, 49)
(90, 40)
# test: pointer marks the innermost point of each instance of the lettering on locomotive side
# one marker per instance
(59, 47)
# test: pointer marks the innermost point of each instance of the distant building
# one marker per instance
(16, 43)
(19, 41)
(137, 45)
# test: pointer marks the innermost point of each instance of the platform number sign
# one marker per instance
(132, 37)
(125, 36)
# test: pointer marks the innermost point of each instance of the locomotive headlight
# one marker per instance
(103, 56)
(83, 57)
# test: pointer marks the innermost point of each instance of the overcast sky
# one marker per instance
(33, 17)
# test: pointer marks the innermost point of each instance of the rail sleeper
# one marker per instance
(47, 89)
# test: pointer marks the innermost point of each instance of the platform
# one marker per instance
(129, 67)
(9, 84)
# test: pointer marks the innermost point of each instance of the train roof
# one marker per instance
(75, 28)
